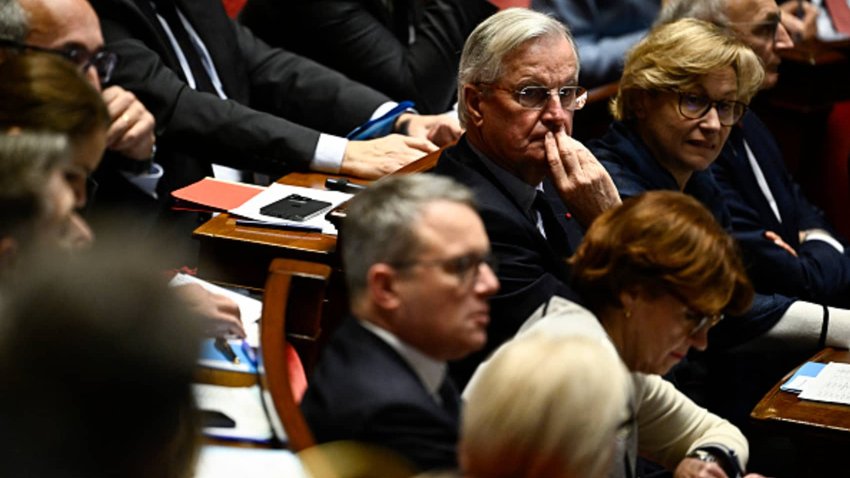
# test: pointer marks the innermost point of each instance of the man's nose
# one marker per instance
(553, 113)
(487, 283)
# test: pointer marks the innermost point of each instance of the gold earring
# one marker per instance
(627, 313)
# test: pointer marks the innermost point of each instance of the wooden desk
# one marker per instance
(819, 433)
(240, 255)
(784, 409)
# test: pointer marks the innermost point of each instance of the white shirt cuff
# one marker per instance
(329, 153)
(383, 109)
(822, 236)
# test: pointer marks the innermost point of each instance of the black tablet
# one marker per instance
(295, 208)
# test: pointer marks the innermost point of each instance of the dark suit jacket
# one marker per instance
(277, 103)
(635, 171)
(366, 41)
(363, 390)
(820, 273)
(530, 271)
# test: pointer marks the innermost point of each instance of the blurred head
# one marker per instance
(415, 256)
(573, 392)
(518, 79)
(97, 362)
(36, 204)
(683, 87)
(659, 272)
(69, 27)
(756, 22)
(13, 21)
(41, 92)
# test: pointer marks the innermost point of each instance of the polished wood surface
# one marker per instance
(784, 409)
(292, 309)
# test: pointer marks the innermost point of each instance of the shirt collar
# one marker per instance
(431, 372)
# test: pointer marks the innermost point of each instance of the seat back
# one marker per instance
(292, 312)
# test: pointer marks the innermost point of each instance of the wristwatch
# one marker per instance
(716, 454)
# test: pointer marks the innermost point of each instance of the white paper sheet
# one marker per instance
(230, 462)
(251, 208)
(242, 404)
(831, 385)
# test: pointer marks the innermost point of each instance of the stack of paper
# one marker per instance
(243, 405)
(831, 385)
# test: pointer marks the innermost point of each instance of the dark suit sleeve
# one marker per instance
(349, 37)
(819, 273)
(415, 434)
(248, 130)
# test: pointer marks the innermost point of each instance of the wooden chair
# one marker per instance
(292, 314)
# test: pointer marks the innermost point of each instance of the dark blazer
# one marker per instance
(820, 273)
(367, 41)
(634, 171)
(530, 271)
(363, 390)
(277, 103)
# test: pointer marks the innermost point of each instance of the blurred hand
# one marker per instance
(583, 184)
(777, 239)
(439, 129)
(800, 29)
(374, 158)
(694, 468)
(131, 131)
(220, 314)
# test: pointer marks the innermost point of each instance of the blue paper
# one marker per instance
(213, 358)
(809, 369)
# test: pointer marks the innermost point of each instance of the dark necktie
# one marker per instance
(555, 234)
(168, 11)
(449, 396)
(840, 13)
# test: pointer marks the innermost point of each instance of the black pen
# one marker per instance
(223, 346)
(344, 185)
(278, 225)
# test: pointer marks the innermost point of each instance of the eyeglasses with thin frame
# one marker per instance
(694, 106)
(764, 29)
(535, 97)
(102, 60)
(700, 320)
(466, 267)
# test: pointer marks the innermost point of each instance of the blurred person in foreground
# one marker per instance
(97, 362)
(36, 203)
(44, 92)
(536, 187)
(416, 261)
(564, 428)
(654, 275)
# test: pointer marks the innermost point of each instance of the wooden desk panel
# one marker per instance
(784, 409)
(240, 255)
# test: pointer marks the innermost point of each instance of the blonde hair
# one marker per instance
(545, 407)
(675, 56)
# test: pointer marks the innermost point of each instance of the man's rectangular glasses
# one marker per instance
(102, 60)
(465, 267)
(535, 97)
(693, 106)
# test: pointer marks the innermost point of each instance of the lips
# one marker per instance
(709, 145)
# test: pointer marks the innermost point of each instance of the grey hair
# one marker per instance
(26, 161)
(14, 23)
(712, 11)
(495, 38)
(380, 221)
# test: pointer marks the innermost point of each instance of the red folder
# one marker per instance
(215, 194)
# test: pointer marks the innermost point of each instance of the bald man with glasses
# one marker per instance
(536, 187)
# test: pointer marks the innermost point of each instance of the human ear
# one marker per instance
(472, 102)
(641, 104)
(382, 281)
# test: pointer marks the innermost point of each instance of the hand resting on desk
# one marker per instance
(374, 158)
(220, 314)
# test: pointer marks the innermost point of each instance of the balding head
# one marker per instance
(62, 24)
